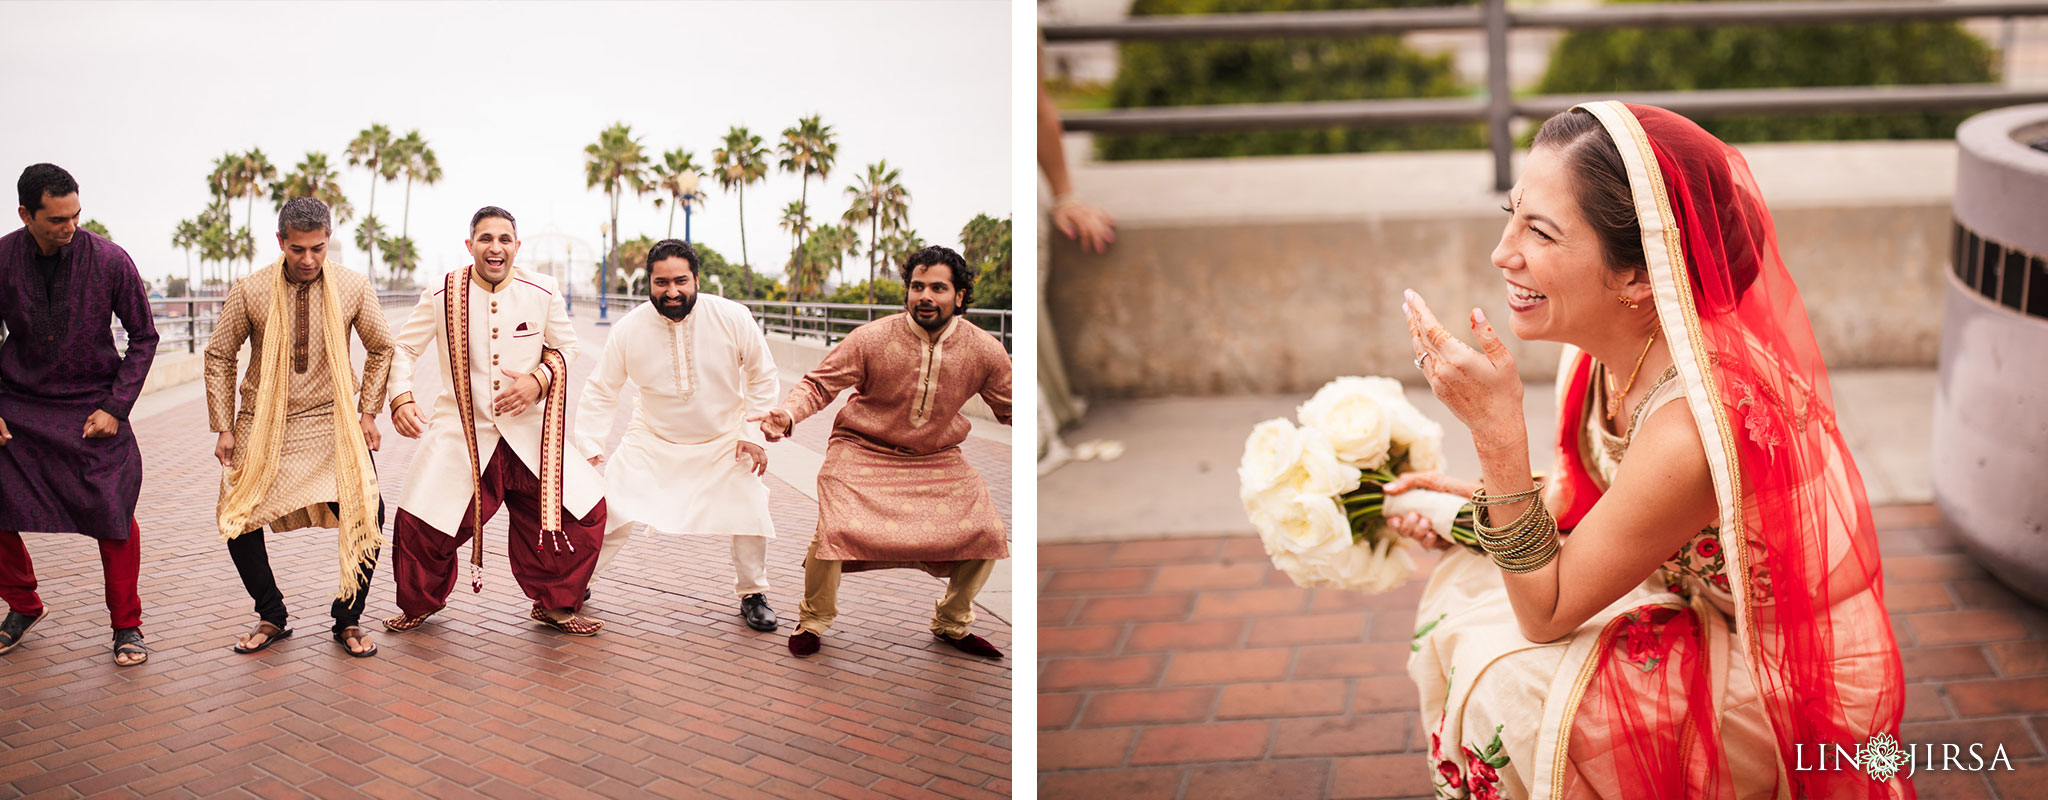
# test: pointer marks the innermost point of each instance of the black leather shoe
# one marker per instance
(804, 643)
(759, 616)
(971, 644)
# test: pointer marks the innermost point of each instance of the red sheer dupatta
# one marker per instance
(1810, 635)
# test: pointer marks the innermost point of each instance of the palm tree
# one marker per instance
(418, 162)
(243, 246)
(225, 184)
(879, 200)
(185, 238)
(678, 175)
(369, 235)
(373, 148)
(827, 248)
(740, 162)
(793, 221)
(401, 257)
(215, 238)
(252, 173)
(901, 245)
(807, 149)
(615, 162)
(845, 242)
(313, 178)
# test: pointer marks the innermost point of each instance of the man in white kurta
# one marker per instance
(513, 317)
(689, 463)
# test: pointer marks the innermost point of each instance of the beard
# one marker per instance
(937, 320)
(674, 310)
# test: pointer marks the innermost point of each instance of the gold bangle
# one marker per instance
(1525, 545)
(1481, 499)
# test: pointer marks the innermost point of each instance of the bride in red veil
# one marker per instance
(1707, 611)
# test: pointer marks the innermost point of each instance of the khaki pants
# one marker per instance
(749, 558)
(955, 609)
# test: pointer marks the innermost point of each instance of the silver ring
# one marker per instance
(1418, 361)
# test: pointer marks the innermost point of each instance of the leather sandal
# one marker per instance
(128, 642)
(270, 633)
(16, 627)
(574, 626)
(356, 633)
(403, 623)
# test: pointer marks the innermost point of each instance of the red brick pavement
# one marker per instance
(675, 698)
(1191, 668)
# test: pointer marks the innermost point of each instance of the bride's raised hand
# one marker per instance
(1480, 387)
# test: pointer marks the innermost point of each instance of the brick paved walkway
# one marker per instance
(675, 698)
(1191, 668)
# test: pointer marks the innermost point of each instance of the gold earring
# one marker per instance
(1627, 302)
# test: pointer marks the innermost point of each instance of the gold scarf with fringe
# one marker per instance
(359, 538)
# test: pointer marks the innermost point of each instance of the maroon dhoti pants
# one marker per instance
(425, 561)
(120, 564)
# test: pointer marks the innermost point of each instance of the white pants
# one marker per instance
(749, 558)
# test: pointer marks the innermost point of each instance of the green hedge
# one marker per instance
(1757, 57)
(1214, 72)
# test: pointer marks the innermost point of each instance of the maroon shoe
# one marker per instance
(804, 643)
(970, 644)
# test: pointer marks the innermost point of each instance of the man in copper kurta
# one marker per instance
(895, 490)
(297, 451)
(68, 458)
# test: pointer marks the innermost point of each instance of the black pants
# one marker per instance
(252, 560)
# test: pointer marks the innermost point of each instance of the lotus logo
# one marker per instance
(1882, 757)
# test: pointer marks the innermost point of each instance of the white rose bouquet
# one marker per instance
(1315, 492)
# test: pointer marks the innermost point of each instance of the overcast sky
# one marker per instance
(136, 100)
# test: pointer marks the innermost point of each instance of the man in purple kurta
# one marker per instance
(68, 459)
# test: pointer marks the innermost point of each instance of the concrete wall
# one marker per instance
(1276, 274)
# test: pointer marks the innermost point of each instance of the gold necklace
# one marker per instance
(1618, 446)
(1613, 397)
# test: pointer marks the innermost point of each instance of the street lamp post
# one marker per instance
(689, 197)
(604, 276)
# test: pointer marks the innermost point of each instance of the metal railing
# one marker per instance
(1497, 107)
(828, 321)
(188, 321)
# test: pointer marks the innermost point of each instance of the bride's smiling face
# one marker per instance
(1557, 279)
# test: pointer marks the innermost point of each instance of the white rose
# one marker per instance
(1295, 569)
(1319, 468)
(1311, 527)
(1385, 566)
(1406, 423)
(1426, 454)
(1271, 452)
(1351, 412)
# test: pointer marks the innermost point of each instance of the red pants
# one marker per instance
(425, 561)
(120, 561)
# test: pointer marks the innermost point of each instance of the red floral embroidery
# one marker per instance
(1482, 771)
(1640, 641)
(1702, 558)
(1450, 774)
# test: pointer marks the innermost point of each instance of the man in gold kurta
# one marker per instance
(297, 452)
(895, 490)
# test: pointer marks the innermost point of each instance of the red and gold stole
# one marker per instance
(455, 315)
